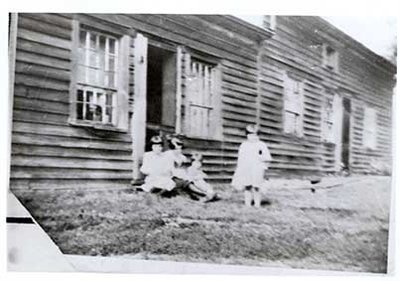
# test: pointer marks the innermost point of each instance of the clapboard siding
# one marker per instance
(47, 152)
(27, 138)
(356, 77)
(297, 47)
(81, 183)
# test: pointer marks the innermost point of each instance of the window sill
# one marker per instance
(98, 127)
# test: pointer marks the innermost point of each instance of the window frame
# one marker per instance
(120, 107)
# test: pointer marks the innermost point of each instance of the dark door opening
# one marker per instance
(161, 93)
(346, 133)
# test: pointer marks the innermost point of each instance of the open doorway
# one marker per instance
(346, 133)
(161, 92)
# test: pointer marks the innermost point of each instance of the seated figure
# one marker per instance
(196, 175)
(156, 168)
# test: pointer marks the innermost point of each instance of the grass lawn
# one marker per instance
(341, 228)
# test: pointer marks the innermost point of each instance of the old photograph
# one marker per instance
(260, 141)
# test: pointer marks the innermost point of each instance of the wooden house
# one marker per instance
(90, 89)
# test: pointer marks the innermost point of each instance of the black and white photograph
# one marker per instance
(219, 143)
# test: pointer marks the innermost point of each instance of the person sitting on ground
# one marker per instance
(252, 163)
(179, 172)
(197, 177)
(156, 169)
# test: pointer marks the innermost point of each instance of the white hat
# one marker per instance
(252, 129)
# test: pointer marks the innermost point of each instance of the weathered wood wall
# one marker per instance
(46, 151)
(363, 76)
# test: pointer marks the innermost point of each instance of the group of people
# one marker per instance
(166, 173)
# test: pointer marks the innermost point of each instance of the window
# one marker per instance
(98, 91)
(330, 58)
(203, 97)
(97, 76)
(293, 107)
(369, 129)
(327, 117)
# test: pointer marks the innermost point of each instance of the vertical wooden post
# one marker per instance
(138, 129)
(178, 119)
(12, 49)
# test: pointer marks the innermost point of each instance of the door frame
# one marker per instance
(139, 122)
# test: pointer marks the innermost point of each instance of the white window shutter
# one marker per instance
(123, 84)
(139, 104)
(215, 99)
(337, 118)
(289, 122)
(324, 129)
(370, 128)
(300, 110)
(178, 117)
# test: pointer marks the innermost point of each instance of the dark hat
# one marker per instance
(252, 129)
(156, 140)
(197, 156)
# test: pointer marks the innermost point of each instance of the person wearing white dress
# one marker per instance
(253, 160)
(197, 177)
(156, 168)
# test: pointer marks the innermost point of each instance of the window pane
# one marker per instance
(101, 100)
(109, 99)
(101, 61)
(79, 111)
(98, 113)
(80, 76)
(111, 46)
(92, 76)
(101, 78)
(89, 96)
(89, 112)
(108, 115)
(79, 96)
(81, 56)
(93, 58)
(110, 79)
(92, 41)
(102, 44)
(111, 63)
(82, 39)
